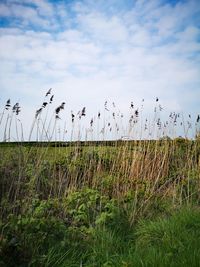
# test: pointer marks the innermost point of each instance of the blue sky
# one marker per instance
(91, 51)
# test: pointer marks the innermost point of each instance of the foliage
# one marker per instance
(117, 205)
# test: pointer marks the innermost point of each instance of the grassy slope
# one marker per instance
(130, 205)
(170, 241)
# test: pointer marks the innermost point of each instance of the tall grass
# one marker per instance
(90, 195)
(142, 169)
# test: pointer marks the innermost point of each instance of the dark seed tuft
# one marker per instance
(48, 92)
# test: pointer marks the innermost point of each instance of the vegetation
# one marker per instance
(118, 203)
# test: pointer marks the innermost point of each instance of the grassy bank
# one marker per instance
(125, 204)
(39, 240)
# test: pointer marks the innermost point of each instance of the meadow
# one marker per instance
(112, 202)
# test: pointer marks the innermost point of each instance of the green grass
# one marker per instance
(173, 240)
(127, 205)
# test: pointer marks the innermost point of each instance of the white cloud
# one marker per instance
(30, 13)
(103, 29)
(148, 51)
(4, 10)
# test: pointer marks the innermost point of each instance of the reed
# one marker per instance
(142, 168)
(113, 170)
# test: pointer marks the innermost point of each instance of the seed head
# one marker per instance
(73, 116)
(62, 105)
(57, 117)
(44, 104)
(7, 104)
(105, 105)
(132, 106)
(83, 112)
(51, 99)
(38, 112)
(16, 109)
(136, 113)
(57, 110)
(48, 92)
(91, 122)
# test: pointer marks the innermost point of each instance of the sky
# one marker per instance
(90, 52)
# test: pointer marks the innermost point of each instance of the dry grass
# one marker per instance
(133, 172)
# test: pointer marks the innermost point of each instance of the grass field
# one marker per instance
(100, 204)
